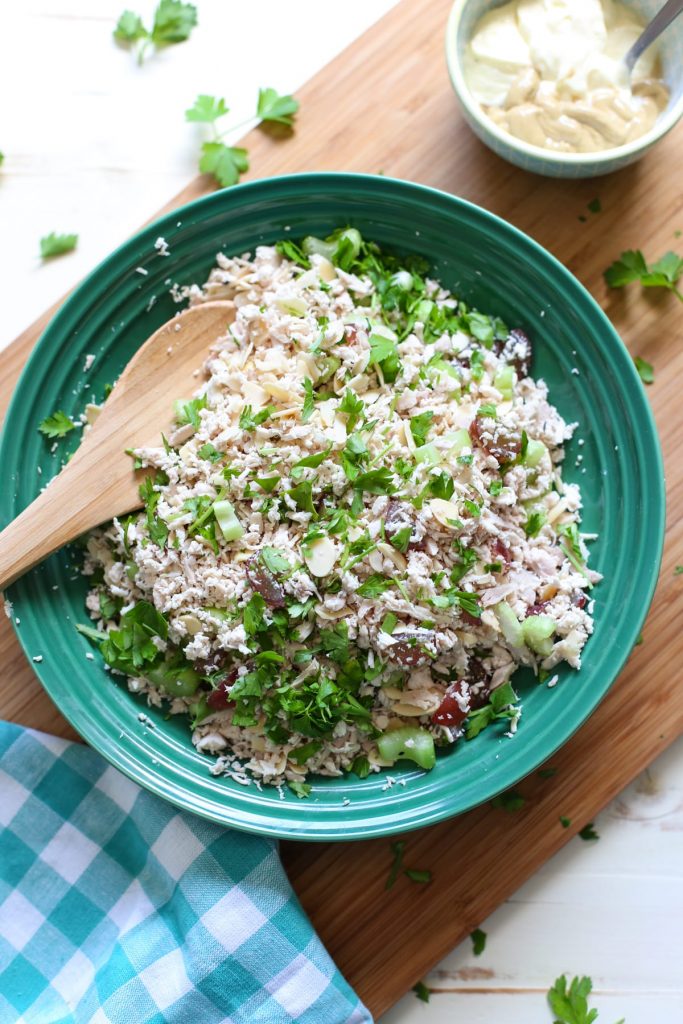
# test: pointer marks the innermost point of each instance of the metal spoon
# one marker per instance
(661, 20)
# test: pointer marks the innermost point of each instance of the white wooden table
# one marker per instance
(93, 144)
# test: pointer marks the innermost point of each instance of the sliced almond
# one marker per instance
(320, 556)
(277, 390)
(191, 623)
(330, 614)
(376, 560)
(92, 411)
(325, 269)
(395, 556)
(407, 433)
(444, 512)
(254, 395)
(293, 306)
(307, 366)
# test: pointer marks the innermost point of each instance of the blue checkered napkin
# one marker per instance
(115, 908)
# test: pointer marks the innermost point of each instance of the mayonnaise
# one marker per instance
(551, 72)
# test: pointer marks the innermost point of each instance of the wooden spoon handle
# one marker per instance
(63, 511)
(99, 481)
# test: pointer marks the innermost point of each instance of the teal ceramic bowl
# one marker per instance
(492, 266)
(461, 24)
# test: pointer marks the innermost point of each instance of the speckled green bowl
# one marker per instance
(492, 266)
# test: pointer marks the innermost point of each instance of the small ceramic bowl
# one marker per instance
(461, 24)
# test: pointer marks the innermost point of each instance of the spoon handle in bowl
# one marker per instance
(661, 20)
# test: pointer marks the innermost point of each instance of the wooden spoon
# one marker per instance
(99, 481)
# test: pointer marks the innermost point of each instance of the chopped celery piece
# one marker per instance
(231, 528)
(511, 627)
(538, 632)
(458, 440)
(328, 367)
(534, 453)
(428, 453)
(423, 310)
(504, 381)
(402, 279)
(177, 682)
(382, 331)
(294, 306)
(408, 743)
(311, 245)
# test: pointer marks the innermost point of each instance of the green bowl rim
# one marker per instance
(662, 126)
(410, 819)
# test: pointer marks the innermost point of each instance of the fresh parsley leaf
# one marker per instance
(478, 941)
(419, 427)
(361, 767)
(398, 850)
(570, 1003)
(302, 495)
(309, 401)
(441, 486)
(275, 108)
(206, 109)
(415, 875)
(312, 461)
(335, 643)
(55, 245)
(302, 789)
(129, 28)
(564, 821)
(375, 585)
(595, 206)
(353, 407)
(291, 251)
(376, 481)
(274, 560)
(253, 617)
(401, 539)
(249, 420)
(535, 521)
(632, 266)
(173, 22)
(302, 754)
(384, 353)
(645, 370)
(421, 991)
(188, 412)
(588, 832)
(209, 452)
(56, 425)
(226, 163)
(509, 801)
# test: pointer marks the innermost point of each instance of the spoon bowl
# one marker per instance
(99, 481)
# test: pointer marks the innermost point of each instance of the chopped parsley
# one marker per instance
(645, 370)
(209, 452)
(309, 401)
(419, 427)
(565, 822)
(536, 520)
(249, 420)
(57, 425)
(415, 875)
(375, 585)
(588, 832)
(510, 801)
(173, 23)
(301, 789)
(500, 707)
(570, 1003)
(478, 941)
(56, 245)
(632, 266)
(188, 412)
(398, 851)
(421, 991)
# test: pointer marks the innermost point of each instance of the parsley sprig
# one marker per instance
(632, 266)
(228, 163)
(569, 1003)
(56, 245)
(57, 425)
(173, 22)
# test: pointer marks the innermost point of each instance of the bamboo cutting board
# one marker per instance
(386, 105)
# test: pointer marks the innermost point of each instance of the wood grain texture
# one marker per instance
(386, 105)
